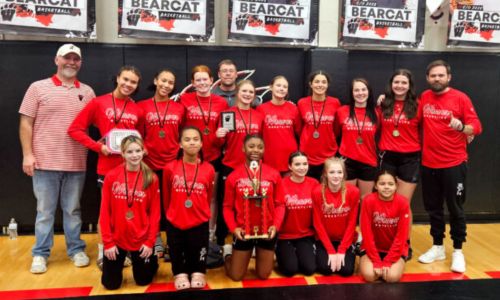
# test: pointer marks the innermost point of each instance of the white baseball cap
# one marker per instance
(69, 48)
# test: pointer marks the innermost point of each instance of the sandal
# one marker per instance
(181, 281)
(198, 280)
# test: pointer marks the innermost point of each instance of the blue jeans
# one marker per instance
(49, 187)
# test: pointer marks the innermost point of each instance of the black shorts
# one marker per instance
(359, 170)
(248, 245)
(217, 164)
(406, 166)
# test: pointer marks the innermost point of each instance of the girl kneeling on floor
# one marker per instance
(385, 216)
(187, 184)
(129, 217)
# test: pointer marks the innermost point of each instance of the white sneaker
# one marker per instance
(458, 261)
(433, 254)
(227, 249)
(80, 259)
(39, 265)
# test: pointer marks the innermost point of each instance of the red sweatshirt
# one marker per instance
(384, 225)
(366, 152)
(282, 124)
(233, 152)
(174, 199)
(340, 224)
(116, 229)
(194, 117)
(325, 146)
(161, 149)
(408, 139)
(302, 219)
(238, 182)
(100, 113)
(444, 147)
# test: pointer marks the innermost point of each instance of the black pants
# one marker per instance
(322, 260)
(438, 186)
(296, 256)
(221, 231)
(143, 269)
(188, 248)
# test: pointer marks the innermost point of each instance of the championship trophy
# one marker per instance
(255, 208)
(115, 136)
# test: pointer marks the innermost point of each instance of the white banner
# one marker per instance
(67, 15)
(273, 19)
(188, 17)
(474, 21)
(383, 20)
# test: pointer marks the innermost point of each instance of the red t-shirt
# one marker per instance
(443, 146)
(142, 228)
(250, 124)
(195, 117)
(238, 182)
(174, 199)
(325, 146)
(282, 126)
(408, 138)
(340, 223)
(101, 113)
(161, 131)
(385, 226)
(365, 152)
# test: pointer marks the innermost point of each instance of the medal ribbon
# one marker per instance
(396, 122)
(130, 203)
(243, 120)
(189, 191)
(160, 121)
(116, 121)
(201, 110)
(357, 123)
(316, 126)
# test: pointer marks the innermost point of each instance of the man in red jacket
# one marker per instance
(449, 119)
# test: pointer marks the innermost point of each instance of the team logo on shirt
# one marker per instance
(430, 111)
(152, 118)
(381, 220)
(119, 190)
(179, 185)
(309, 117)
(195, 113)
(272, 121)
(125, 117)
(293, 202)
(350, 124)
(336, 212)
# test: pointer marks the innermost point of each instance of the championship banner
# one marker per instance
(191, 20)
(474, 23)
(67, 18)
(290, 22)
(382, 22)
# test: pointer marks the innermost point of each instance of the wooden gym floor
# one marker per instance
(64, 280)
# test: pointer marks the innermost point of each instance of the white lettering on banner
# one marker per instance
(380, 13)
(62, 3)
(269, 9)
(177, 6)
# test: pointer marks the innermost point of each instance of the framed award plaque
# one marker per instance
(115, 136)
(228, 120)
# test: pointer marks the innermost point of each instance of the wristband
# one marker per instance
(463, 128)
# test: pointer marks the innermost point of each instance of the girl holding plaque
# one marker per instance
(282, 125)
(317, 112)
(338, 203)
(163, 119)
(129, 217)
(187, 184)
(115, 110)
(203, 110)
(247, 121)
(295, 251)
(385, 218)
(253, 210)
(358, 125)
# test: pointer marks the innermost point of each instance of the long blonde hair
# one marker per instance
(147, 173)
(329, 207)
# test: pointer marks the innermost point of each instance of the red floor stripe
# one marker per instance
(336, 279)
(274, 282)
(494, 274)
(417, 277)
(46, 293)
(164, 287)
